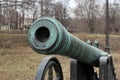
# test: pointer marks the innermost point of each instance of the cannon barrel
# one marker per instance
(48, 36)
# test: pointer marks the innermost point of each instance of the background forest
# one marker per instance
(86, 16)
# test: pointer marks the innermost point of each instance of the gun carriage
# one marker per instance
(48, 36)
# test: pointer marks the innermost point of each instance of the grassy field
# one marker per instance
(22, 63)
(19, 62)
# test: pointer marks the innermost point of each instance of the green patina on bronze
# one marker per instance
(48, 36)
(96, 43)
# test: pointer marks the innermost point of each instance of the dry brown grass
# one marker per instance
(19, 62)
(116, 62)
(114, 40)
(22, 63)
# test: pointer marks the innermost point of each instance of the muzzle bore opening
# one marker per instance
(42, 34)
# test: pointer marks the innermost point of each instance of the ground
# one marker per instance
(19, 62)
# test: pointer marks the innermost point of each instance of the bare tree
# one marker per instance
(87, 10)
(114, 12)
(18, 12)
(0, 14)
(45, 7)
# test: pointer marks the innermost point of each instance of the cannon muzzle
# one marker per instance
(48, 36)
